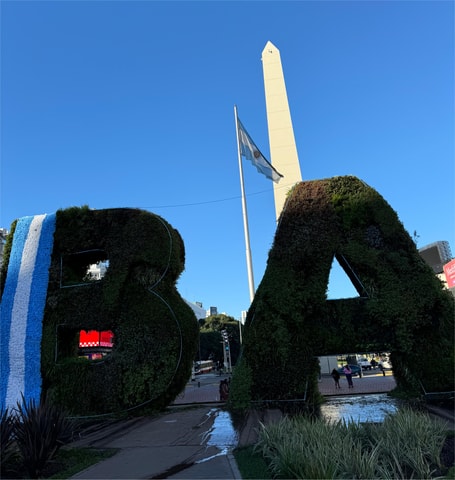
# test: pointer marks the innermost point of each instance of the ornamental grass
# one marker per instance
(8, 448)
(407, 445)
(32, 434)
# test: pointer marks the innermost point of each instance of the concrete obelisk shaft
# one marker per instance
(283, 150)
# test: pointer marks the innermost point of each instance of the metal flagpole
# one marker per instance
(249, 264)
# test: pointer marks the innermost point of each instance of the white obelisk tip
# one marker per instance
(283, 150)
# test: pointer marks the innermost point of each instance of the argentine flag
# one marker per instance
(252, 153)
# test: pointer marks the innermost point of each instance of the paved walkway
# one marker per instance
(191, 441)
(370, 383)
(177, 444)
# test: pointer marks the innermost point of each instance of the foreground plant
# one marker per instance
(412, 443)
(40, 430)
(8, 448)
(406, 445)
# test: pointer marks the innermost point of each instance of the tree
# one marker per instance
(211, 342)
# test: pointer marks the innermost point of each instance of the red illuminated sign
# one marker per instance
(93, 338)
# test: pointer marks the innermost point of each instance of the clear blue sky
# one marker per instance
(130, 104)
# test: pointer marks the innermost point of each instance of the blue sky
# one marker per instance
(131, 104)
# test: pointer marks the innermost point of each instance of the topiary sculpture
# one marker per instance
(401, 307)
(136, 302)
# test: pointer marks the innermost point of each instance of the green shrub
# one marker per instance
(40, 430)
(407, 445)
(8, 450)
(401, 308)
(155, 331)
(412, 443)
(240, 389)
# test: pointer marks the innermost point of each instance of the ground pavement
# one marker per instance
(368, 383)
(207, 389)
(194, 438)
(177, 444)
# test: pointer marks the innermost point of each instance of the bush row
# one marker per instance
(407, 445)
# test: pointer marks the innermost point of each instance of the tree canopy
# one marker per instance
(211, 344)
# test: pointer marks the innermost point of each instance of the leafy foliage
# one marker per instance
(240, 389)
(39, 431)
(7, 441)
(401, 306)
(155, 331)
(407, 445)
(210, 340)
(6, 255)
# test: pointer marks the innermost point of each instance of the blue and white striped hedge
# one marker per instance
(22, 309)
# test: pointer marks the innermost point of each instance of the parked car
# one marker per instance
(364, 363)
(354, 368)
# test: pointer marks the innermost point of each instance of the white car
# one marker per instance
(364, 363)
(386, 365)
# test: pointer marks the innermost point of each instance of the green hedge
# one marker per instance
(155, 331)
(401, 307)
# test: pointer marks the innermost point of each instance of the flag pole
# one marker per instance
(249, 264)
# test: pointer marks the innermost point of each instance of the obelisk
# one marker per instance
(283, 151)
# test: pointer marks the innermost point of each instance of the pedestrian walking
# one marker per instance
(224, 390)
(336, 377)
(348, 373)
